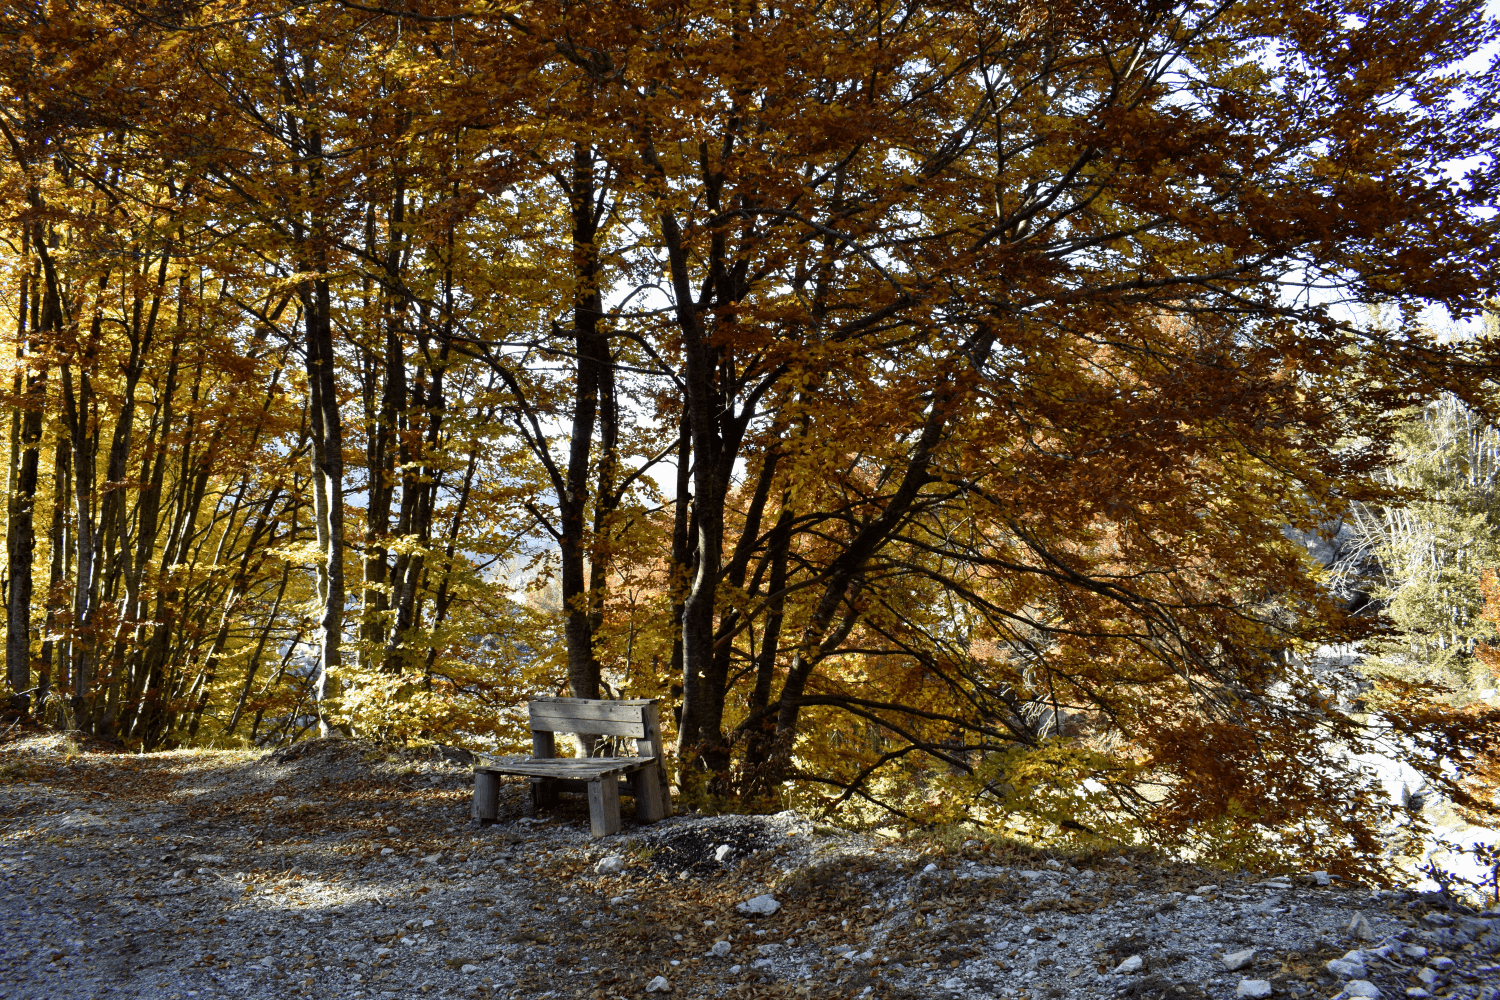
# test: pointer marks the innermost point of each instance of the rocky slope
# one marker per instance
(337, 869)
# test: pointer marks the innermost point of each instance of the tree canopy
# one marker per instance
(920, 398)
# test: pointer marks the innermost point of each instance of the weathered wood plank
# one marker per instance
(652, 807)
(555, 699)
(604, 807)
(486, 796)
(611, 710)
(587, 768)
(540, 721)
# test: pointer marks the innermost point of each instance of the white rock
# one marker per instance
(863, 958)
(734, 970)
(428, 923)
(1358, 956)
(760, 906)
(1255, 988)
(609, 866)
(392, 831)
(929, 869)
(278, 798)
(1414, 951)
(1417, 991)
(1131, 964)
(1361, 988)
(761, 963)
(387, 850)
(1427, 976)
(720, 949)
(469, 968)
(1239, 959)
(1359, 928)
(1343, 969)
(767, 949)
(969, 845)
(1442, 964)
(659, 985)
(1205, 890)
(1055, 864)
(1322, 878)
(722, 851)
(382, 952)
(433, 859)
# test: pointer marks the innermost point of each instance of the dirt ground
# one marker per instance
(341, 869)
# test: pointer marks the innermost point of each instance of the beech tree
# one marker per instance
(996, 348)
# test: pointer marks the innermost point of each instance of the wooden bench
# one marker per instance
(600, 776)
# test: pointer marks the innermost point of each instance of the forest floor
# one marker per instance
(339, 869)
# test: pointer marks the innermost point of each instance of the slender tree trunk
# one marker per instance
(592, 349)
(22, 501)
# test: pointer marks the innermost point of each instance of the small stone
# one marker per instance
(433, 859)
(969, 845)
(720, 949)
(1054, 864)
(1254, 988)
(929, 869)
(1322, 878)
(721, 852)
(1238, 959)
(659, 985)
(1428, 976)
(1359, 928)
(1131, 964)
(382, 952)
(610, 865)
(617, 901)
(469, 969)
(760, 906)
(428, 923)
(1361, 988)
(1414, 951)
(1437, 920)
(1417, 991)
(1206, 890)
(278, 798)
(1343, 969)
(387, 850)
(392, 831)
(1442, 964)
(734, 970)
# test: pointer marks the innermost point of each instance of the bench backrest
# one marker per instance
(633, 718)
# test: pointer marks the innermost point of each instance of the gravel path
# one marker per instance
(337, 869)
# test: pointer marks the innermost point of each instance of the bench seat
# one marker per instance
(574, 768)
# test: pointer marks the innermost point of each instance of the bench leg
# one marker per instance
(486, 797)
(604, 806)
(645, 785)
